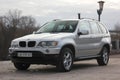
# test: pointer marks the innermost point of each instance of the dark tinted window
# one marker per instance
(94, 27)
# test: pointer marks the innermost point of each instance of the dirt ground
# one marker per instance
(82, 70)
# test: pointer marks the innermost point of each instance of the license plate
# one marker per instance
(24, 54)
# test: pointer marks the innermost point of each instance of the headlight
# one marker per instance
(14, 44)
(48, 43)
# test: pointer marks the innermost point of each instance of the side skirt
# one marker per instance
(86, 58)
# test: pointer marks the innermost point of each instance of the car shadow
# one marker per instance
(82, 66)
(52, 69)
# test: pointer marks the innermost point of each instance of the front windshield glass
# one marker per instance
(58, 26)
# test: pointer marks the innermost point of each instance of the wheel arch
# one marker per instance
(107, 46)
(71, 46)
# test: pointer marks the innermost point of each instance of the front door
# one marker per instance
(83, 42)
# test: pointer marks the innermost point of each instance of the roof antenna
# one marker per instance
(79, 16)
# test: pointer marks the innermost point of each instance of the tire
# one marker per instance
(65, 61)
(21, 66)
(104, 58)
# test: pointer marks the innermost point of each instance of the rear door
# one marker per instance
(96, 37)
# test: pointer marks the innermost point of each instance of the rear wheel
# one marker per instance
(65, 60)
(104, 58)
(21, 66)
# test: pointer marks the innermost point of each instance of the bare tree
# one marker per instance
(27, 25)
(13, 25)
(116, 33)
(117, 27)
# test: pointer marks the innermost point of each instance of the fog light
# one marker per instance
(10, 51)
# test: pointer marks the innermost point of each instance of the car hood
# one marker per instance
(45, 36)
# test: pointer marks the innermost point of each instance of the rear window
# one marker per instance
(102, 28)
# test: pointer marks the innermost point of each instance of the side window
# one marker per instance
(59, 28)
(94, 27)
(103, 29)
(84, 25)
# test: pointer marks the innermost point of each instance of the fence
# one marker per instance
(115, 36)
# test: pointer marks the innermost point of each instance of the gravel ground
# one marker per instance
(82, 70)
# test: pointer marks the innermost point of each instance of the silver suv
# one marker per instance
(61, 42)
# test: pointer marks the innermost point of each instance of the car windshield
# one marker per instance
(58, 26)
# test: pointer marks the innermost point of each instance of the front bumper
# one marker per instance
(37, 58)
(39, 55)
(42, 50)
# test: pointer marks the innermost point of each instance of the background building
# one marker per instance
(115, 35)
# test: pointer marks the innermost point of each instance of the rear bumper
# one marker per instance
(37, 58)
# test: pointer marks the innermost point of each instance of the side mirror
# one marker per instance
(83, 32)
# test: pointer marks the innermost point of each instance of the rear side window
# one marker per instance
(103, 29)
(94, 27)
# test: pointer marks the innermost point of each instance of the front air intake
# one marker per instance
(22, 44)
(31, 43)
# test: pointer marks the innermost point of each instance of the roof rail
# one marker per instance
(89, 18)
(56, 19)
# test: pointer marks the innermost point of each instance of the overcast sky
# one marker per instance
(46, 10)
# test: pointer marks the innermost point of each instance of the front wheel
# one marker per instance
(21, 66)
(104, 58)
(65, 60)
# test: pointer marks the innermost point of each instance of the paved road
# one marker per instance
(84, 70)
